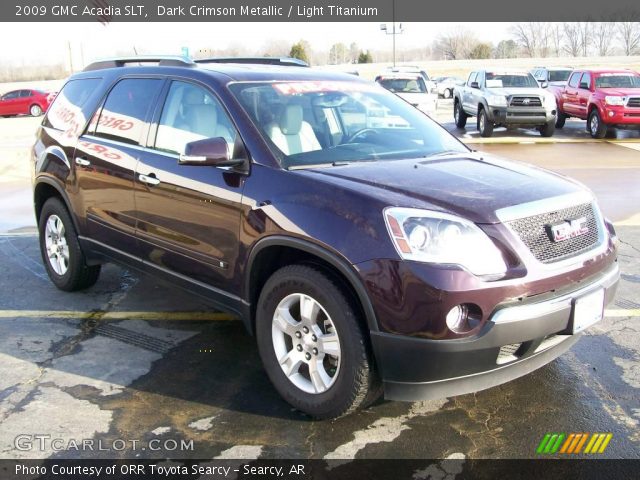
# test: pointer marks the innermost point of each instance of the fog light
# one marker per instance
(457, 318)
(611, 114)
(464, 318)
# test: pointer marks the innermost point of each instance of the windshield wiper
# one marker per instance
(445, 153)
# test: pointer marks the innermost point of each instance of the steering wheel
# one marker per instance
(360, 133)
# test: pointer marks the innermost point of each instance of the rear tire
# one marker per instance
(447, 93)
(548, 129)
(485, 126)
(330, 376)
(35, 110)
(61, 253)
(560, 120)
(596, 128)
(459, 115)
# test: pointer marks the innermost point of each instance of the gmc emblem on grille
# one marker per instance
(569, 229)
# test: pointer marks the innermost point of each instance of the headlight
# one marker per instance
(434, 237)
(614, 100)
(549, 101)
(497, 100)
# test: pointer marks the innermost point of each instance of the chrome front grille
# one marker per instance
(525, 101)
(535, 233)
(633, 102)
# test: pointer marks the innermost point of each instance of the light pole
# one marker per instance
(396, 29)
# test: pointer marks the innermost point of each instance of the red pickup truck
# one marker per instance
(607, 99)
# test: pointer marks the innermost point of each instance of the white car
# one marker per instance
(411, 87)
(446, 85)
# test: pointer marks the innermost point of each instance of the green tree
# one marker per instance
(299, 51)
(481, 50)
(365, 57)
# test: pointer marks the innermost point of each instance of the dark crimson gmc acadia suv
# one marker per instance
(365, 247)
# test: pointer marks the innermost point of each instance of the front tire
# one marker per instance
(61, 253)
(560, 120)
(312, 345)
(547, 129)
(459, 115)
(35, 110)
(485, 126)
(597, 128)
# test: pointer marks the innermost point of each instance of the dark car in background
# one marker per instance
(25, 102)
(366, 248)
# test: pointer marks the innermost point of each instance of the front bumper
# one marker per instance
(621, 116)
(521, 116)
(531, 334)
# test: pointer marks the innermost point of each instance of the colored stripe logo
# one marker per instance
(574, 443)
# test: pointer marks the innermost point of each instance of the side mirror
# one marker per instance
(210, 151)
(475, 85)
(544, 84)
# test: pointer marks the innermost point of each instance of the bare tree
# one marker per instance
(603, 34)
(556, 32)
(528, 35)
(456, 44)
(629, 35)
(544, 42)
(584, 30)
(572, 39)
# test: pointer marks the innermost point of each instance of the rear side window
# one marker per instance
(123, 116)
(66, 111)
(573, 81)
(26, 93)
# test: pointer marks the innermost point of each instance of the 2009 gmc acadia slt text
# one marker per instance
(367, 249)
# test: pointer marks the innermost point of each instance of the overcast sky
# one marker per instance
(48, 42)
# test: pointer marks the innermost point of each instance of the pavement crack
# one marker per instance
(633, 247)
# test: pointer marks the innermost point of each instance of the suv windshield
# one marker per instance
(559, 75)
(510, 80)
(326, 122)
(617, 80)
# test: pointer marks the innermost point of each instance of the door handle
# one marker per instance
(149, 179)
(83, 162)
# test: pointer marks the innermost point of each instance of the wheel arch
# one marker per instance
(46, 188)
(274, 252)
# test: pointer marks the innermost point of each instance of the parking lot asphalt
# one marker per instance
(141, 362)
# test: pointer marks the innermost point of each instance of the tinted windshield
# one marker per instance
(404, 85)
(324, 122)
(510, 80)
(559, 75)
(618, 80)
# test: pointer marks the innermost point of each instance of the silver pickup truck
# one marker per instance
(504, 99)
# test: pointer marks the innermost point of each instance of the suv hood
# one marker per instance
(516, 91)
(473, 186)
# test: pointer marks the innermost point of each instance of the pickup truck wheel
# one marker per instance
(597, 129)
(447, 93)
(312, 345)
(547, 129)
(63, 259)
(459, 115)
(485, 126)
(560, 120)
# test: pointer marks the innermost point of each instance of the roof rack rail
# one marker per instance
(161, 60)
(284, 61)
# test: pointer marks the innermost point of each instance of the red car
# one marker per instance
(607, 99)
(25, 102)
